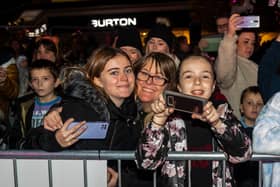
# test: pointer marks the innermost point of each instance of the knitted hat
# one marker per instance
(129, 37)
(162, 32)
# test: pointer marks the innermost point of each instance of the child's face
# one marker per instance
(43, 83)
(251, 106)
(43, 53)
(196, 78)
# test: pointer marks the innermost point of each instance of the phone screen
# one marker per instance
(95, 130)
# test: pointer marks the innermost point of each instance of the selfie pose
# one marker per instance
(81, 102)
(215, 129)
(107, 96)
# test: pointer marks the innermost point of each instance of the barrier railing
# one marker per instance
(72, 168)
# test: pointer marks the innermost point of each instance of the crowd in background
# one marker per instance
(46, 84)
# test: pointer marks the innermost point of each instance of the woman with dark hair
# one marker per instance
(46, 48)
(128, 40)
(235, 71)
(161, 39)
(155, 72)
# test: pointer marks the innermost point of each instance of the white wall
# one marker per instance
(70, 173)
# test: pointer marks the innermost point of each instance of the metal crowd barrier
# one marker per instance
(88, 168)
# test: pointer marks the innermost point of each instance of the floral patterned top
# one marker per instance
(155, 142)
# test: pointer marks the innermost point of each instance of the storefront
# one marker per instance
(104, 20)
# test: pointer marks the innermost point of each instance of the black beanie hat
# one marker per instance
(6, 53)
(129, 37)
(163, 32)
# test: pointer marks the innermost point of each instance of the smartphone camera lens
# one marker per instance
(170, 101)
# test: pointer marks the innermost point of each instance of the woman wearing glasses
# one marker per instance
(154, 73)
(216, 129)
(111, 74)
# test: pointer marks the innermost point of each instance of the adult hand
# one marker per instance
(234, 21)
(68, 136)
(161, 111)
(3, 75)
(202, 44)
(52, 121)
(112, 177)
(209, 115)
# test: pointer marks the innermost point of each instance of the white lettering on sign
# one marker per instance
(113, 22)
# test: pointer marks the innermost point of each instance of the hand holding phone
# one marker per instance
(95, 130)
(184, 103)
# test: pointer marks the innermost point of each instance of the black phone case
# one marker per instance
(183, 102)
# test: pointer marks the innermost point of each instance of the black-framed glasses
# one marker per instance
(157, 80)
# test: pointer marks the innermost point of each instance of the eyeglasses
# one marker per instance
(157, 80)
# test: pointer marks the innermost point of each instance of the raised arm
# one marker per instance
(226, 63)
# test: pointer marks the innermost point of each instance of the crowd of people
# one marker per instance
(43, 92)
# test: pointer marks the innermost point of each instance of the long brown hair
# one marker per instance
(98, 61)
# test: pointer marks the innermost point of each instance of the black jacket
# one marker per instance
(79, 110)
(124, 125)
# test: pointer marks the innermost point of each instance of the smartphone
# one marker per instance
(95, 130)
(250, 22)
(184, 103)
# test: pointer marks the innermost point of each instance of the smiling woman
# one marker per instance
(110, 80)
(216, 129)
(235, 71)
